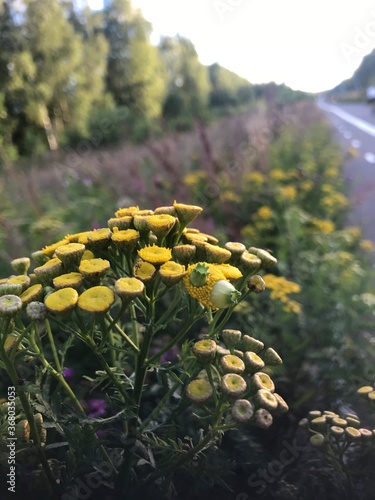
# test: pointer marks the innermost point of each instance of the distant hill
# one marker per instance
(354, 88)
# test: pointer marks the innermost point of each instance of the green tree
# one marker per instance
(228, 88)
(188, 79)
(135, 73)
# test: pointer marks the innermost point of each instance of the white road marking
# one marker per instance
(356, 143)
(353, 120)
(369, 157)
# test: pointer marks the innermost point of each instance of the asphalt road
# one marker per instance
(355, 126)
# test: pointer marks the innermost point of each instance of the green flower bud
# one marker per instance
(39, 257)
(236, 249)
(242, 411)
(363, 391)
(199, 391)
(261, 380)
(352, 434)
(184, 253)
(340, 422)
(353, 422)
(36, 311)
(252, 344)
(263, 418)
(223, 294)
(205, 350)
(232, 364)
(304, 423)
(272, 358)
(233, 385)
(256, 284)
(249, 263)
(231, 337)
(198, 275)
(282, 406)
(253, 362)
(265, 399)
(336, 432)
(20, 265)
(319, 423)
(10, 289)
(366, 434)
(266, 258)
(10, 305)
(317, 440)
(315, 413)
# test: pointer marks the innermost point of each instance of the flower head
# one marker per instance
(171, 273)
(36, 311)
(233, 384)
(144, 271)
(73, 280)
(34, 292)
(242, 411)
(205, 350)
(161, 224)
(155, 255)
(50, 249)
(49, 270)
(61, 301)
(71, 253)
(10, 305)
(97, 300)
(126, 239)
(22, 280)
(20, 265)
(199, 391)
(129, 288)
(223, 294)
(94, 269)
(186, 213)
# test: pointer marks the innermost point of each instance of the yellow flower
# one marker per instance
(94, 268)
(129, 288)
(71, 253)
(186, 213)
(367, 245)
(50, 250)
(69, 280)
(255, 178)
(87, 254)
(230, 272)
(78, 237)
(289, 193)
(325, 226)
(144, 271)
(161, 224)
(123, 212)
(216, 254)
(278, 174)
(155, 255)
(35, 292)
(120, 222)
(49, 270)
(199, 391)
(97, 300)
(99, 239)
(230, 196)
(202, 293)
(264, 213)
(171, 273)
(61, 301)
(126, 239)
(281, 289)
(22, 280)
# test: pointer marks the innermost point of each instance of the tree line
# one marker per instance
(64, 71)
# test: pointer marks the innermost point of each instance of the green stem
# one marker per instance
(53, 345)
(134, 322)
(124, 336)
(175, 340)
(30, 418)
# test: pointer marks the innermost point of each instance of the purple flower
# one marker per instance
(96, 408)
(68, 374)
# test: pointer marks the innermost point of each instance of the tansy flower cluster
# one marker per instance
(92, 270)
(235, 368)
(335, 432)
(280, 291)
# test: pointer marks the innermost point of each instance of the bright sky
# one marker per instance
(310, 45)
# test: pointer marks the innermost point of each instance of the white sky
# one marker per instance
(311, 45)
